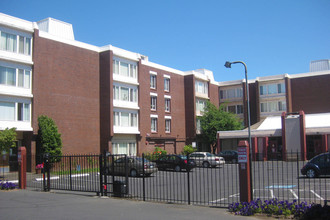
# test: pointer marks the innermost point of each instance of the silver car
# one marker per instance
(206, 159)
(135, 166)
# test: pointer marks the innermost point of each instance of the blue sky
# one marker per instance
(271, 36)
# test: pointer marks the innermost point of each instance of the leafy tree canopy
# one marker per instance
(216, 119)
(7, 139)
(49, 139)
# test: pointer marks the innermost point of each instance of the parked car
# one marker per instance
(318, 165)
(206, 159)
(175, 162)
(229, 155)
(135, 166)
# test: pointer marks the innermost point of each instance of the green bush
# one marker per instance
(188, 149)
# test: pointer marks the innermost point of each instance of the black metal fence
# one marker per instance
(138, 178)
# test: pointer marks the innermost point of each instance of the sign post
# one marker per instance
(244, 171)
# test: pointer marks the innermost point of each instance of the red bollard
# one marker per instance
(22, 167)
(244, 171)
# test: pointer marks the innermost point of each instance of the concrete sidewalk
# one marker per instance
(27, 204)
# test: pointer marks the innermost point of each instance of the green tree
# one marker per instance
(7, 139)
(49, 140)
(214, 120)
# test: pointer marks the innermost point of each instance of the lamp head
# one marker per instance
(228, 64)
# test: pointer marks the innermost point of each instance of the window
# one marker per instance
(8, 110)
(125, 119)
(201, 87)
(275, 88)
(232, 109)
(8, 42)
(236, 109)
(167, 125)
(167, 105)
(124, 69)
(153, 81)
(200, 106)
(128, 148)
(8, 77)
(198, 126)
(273, 106)
(153, 124)
(239, 109)
(153, 100)
(231, 93)
(167, 84)
(122, 93)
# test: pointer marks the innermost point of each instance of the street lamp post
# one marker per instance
(228, 65)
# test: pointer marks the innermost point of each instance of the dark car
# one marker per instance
(318, 165)
(229, 155)
(175, 162)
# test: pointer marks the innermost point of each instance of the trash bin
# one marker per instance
(119, 188)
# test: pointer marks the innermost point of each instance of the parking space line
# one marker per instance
(294, 194)
(317, 195)
(218, 200)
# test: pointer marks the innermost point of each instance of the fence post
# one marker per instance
(46, 172)
(105, 178)
(101, 174)
(22, 167)
(70, 163)
(298, 177)
(244, 171)
(143, 176)
(188, 181)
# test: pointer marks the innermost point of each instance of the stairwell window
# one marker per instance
(125, 69)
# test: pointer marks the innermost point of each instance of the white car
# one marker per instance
(206, 159)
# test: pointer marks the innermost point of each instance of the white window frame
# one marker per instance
(131, 68)
(167, 84)
(167, 105)
(23, 114)
(132, 93)
(232, 93)
(266, 89)
(201, 87)
(16, 37)
(153, 81)
(153, 103)
(154, 124)
(18, 82)
(118, 119)
(167, 125)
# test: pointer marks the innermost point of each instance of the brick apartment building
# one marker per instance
(110, 99)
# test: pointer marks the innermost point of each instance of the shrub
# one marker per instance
(156, 154)
(316, 211)
(7, 185)
(188, 149)
(269, 207)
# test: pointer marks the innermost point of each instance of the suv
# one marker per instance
(206, 159)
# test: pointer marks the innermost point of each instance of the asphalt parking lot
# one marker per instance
(208, 186)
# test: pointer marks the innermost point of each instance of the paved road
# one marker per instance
(27, 204)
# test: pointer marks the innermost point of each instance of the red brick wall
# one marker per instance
(66, 88)
(189, 95)
(177, 109)
(214, 94)
(311, 94)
